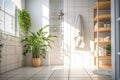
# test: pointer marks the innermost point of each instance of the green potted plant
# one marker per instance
(1, 45)
(108, 49)
(37, 43)
(24, 21)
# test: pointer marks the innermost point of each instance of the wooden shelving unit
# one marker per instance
(103, 17)
(97, 18)
(103, 42)
(103, 29)
(105, 5)
(105, 66)
(105, 57)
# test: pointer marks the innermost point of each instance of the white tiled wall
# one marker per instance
(56, 28)
(12, 56)
(73, 8)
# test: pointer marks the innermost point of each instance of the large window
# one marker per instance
(7, 16)
(1, 15)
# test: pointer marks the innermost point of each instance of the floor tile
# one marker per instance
(11, 72)
(3, 78)
(80, 79)
(23, 76)
(18, 79)
(42, 76)
(101, 78)
(38, 79)
(27, 72)
(46, 72)
(90, 72)
(59, 76)
(98, 76)
(6, 75)
(58, 79)
(79, 76)
(61, 72)
(78, 72)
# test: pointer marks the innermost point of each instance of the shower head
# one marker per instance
(60, 14)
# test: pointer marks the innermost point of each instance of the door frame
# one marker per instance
(115, 39)
(113, 12)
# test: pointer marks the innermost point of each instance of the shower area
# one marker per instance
(71, 21)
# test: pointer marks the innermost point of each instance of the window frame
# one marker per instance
(15, 30)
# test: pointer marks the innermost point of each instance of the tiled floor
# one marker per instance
(52, 73)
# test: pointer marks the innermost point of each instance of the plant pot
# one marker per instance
(36, 62)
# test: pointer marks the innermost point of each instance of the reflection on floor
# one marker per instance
(53, 73)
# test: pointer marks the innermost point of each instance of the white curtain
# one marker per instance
(19, 3)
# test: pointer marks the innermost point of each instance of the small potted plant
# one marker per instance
(37, 43)
(108, 49)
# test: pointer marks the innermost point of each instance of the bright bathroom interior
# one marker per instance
(83, 30)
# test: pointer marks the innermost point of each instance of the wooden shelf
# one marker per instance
(105, 5)
(103, 29)
(105, 66)
(104, 42)
(103, 17)
(104, 57)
